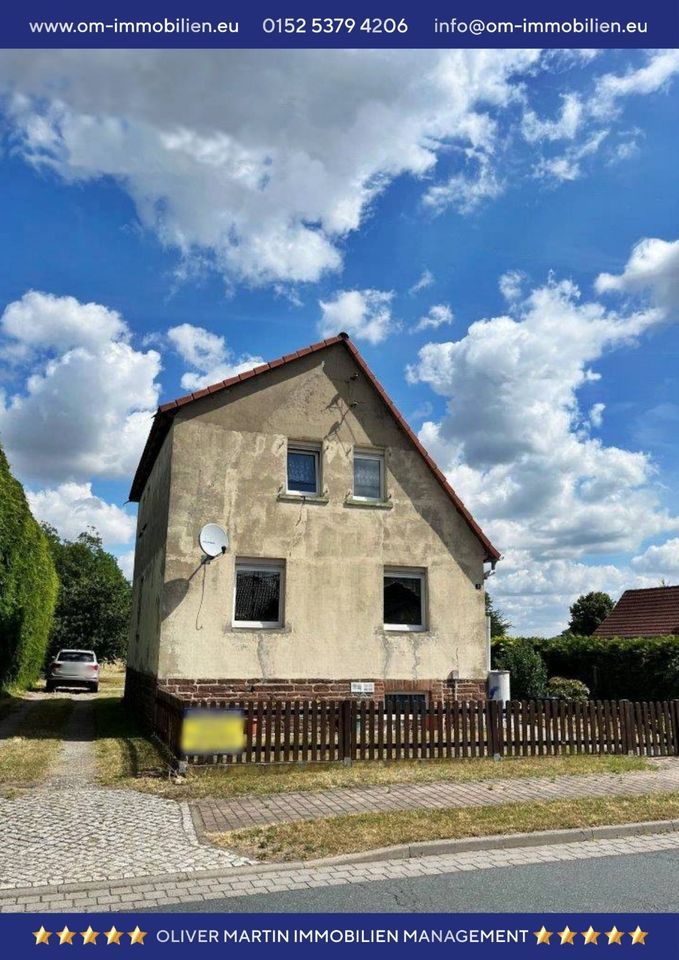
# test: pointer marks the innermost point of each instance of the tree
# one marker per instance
(527, 670)
(498, 624)
(588, 611)
(28, 586)
(93, 606)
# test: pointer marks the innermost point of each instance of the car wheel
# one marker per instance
(49, 687)
(94, 687)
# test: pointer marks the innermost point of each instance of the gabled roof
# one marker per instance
(166, 413)
(653, 612)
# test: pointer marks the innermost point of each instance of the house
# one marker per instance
(353, 568)
(653, 612)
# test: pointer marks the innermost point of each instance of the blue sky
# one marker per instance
(496, 230)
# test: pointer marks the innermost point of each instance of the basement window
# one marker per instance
(304, 469)
(404, 599)
(258, 594)
(368, 476)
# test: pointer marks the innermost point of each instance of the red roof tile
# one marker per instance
(653, 612)
(167, 411)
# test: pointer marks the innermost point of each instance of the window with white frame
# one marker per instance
(404, 599)
(258, 594)
(304, 469)
(368, 475)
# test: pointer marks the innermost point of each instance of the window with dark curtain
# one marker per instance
(258, 595)
(302, 471)
(403, 600)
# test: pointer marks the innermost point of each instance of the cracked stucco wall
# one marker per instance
(228, 456)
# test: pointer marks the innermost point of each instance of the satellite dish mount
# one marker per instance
(213, 540)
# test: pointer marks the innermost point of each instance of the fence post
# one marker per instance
(629, 740)
(495, 745)
(347, 733)
(674, 707)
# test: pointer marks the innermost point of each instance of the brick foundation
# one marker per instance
(141, 689)
(449, 689)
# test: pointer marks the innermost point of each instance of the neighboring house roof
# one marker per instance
(643, 613)
(165, 414)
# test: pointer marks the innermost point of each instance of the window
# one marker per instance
(75, 656)
(368, 476)
(404, 702)
(303, 469)
(258, 595)
(404, 600)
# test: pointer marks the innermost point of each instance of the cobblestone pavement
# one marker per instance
(217, 816)
(154, 893)
(71, 830)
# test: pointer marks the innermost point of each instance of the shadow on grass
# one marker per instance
(123, 749)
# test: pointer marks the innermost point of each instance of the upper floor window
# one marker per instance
(368, 475)
(404, 599)
(258, 594)
(304, 469)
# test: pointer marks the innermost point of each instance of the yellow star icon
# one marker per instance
(639, 936)
(113, 936)
(90, 936)
(65, 935)
(42, 935)
(542, 936)
(591, 936)
(615, 936)
(137, 936)
(567, 935)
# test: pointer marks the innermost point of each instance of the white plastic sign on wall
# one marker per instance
(363, 687)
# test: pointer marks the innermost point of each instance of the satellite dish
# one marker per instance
(213, 540)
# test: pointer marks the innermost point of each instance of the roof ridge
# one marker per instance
(165, 413)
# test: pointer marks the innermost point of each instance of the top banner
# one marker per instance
(353, 24)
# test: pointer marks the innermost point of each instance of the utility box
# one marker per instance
(499, 685)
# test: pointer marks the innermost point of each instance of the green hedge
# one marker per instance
(634, 668)
(28, 586)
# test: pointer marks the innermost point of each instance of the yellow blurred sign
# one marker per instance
(213, 731)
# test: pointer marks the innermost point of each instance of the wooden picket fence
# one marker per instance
(305, 731)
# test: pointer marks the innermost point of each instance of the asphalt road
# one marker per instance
(626, 883)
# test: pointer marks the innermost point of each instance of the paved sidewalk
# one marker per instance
(220, 816)
(71, 830)
(156, 892)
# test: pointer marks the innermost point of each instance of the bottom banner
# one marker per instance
(304, 935)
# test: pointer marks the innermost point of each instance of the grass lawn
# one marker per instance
(127, 758)
(26, 756)
(365, 831)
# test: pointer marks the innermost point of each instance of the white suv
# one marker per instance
(73, 668)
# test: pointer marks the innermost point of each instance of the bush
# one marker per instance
(566, 689)
(28, 586)
(631, 668)
(528, 674)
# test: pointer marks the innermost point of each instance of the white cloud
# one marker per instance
(72, 507)
(439, 315)
(586, 120)
(208, 354)
(426, 280)
(126, 563)
(568, 166)
(511, 285)
(653, 76)
(653, 267)
(363, 314)
(565, 127)
(465, 191)
(518, 449)
(219, 177)
(84, 409)
(661, 560)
